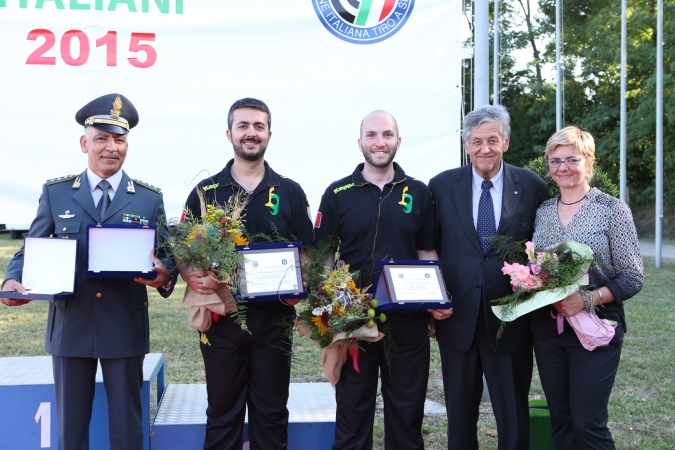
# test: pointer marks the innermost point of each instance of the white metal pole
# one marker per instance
(495, 56)
(558, 77)
(481, 32)
(622, 133)
(659, 130)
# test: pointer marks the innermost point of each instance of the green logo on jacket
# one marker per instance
(274, 206)
(406, 201)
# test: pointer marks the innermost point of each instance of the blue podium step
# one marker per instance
(28, 410)
(181, 418)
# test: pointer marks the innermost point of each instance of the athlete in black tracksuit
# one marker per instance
(373, 224)
(252, 368)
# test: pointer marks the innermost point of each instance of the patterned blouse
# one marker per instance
(605, 224)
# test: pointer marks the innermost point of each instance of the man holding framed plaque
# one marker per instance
(473, 203)
(380, 212)
(250, 368)
(106, 320)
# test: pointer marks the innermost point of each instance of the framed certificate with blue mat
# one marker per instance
(120, 250)
(410, 285)
(271, 272)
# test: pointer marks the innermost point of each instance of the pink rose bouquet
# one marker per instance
(540, 277)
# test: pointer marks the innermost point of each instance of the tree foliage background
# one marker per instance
(591, 58)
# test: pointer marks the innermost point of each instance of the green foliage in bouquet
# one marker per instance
(335, 303)
(508, 249)
(208, 242)
(274, 237)
(540, 270)
(313, 268)
(337, 306)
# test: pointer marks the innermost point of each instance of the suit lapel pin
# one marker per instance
(515, 192)
(130, 187)
(67, 215)
(76, 183)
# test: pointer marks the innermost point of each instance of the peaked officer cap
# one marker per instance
(113, 113)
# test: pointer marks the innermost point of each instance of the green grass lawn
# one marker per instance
(641, 406)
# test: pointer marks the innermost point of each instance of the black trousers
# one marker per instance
(508, 378)
(404, 388)
(251, 369)
(75, 383)
(577, 384)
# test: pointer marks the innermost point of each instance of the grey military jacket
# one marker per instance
(107, 318)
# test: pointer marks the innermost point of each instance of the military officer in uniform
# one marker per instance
(107, 319)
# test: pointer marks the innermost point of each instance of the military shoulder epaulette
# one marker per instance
(59, 180)
(148, 186)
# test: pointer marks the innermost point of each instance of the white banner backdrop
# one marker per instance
(295, 55)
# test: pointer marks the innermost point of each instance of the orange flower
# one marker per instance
(318, 321)
(353, 287)
(239, 239)
(339, 311)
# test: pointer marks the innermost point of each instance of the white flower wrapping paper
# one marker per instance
(539, 300)
(592, 331)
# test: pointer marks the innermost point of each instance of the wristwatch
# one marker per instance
(167, 287)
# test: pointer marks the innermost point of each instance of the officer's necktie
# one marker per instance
(486, 217)
(105, 199)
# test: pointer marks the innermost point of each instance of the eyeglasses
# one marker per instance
(572, 161)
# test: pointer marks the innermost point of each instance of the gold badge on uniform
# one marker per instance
(117, 107)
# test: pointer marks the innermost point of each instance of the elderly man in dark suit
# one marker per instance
(473, 203)
(107, 320)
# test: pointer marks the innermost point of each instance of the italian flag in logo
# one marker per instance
(366, 13)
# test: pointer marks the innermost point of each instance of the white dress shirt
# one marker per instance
(495, 192)
(98, 193)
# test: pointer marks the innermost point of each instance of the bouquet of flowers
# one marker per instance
(337, 315)
(540, 277)
(208, 243)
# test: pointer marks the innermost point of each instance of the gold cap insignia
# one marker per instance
(117, 107)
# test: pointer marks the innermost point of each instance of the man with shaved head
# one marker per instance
(380, 212)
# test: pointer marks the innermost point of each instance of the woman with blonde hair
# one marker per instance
(577, 382)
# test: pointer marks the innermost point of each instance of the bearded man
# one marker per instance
(380, 212)
(250, 368)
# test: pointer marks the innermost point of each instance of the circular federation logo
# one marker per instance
(363, 21)
(284, 262)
